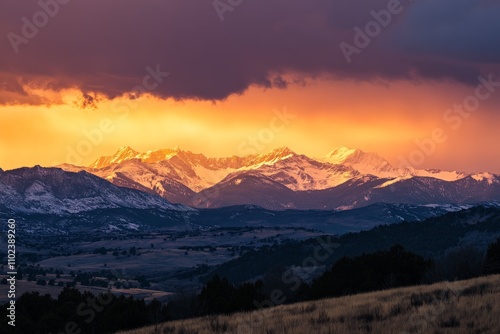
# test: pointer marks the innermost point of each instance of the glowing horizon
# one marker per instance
(179, 75)
(388, 120)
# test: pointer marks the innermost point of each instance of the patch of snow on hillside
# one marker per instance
(484, 176)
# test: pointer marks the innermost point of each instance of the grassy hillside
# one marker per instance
(471, 306)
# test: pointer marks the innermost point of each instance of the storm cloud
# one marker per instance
(104, 47)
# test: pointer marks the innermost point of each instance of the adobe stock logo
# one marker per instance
(277, 123)
(372, 29)
(454, 116)
(223, 6)
(30, 28)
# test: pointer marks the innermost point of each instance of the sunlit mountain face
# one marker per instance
(343, 179)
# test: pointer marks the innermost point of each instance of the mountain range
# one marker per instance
(343, 179)
(52, 202)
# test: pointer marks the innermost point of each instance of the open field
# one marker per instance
(171, 260)
(23, 287)
(471, 306)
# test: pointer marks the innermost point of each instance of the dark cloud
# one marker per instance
(461, 30)
(88, 101)
(104, 47)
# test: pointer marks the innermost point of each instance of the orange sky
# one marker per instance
(382, 117)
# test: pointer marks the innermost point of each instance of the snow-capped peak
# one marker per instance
(364, 162)
(124, 153)
(155, 156)
(176, 174)
(340, 154)
(159, 155)
(274, 156)
(372, 163)
(346, 155)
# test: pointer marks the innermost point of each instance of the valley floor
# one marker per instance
(471, 306)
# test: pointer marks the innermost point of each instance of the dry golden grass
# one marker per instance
(471, 306)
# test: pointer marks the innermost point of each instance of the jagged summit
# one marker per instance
(364, 162)
(178, 175)
(374, 164)
(343, 154)
(126, 153)
(275, 155)
(283, 151)
(123, 153)
(340, 154)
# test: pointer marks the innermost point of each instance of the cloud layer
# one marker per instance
(104, 47)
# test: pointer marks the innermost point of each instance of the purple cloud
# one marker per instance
(105, 46)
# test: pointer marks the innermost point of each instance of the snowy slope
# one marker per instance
(195, 171)
(365, 163)
(54, 191)
(372, 163)
(299, 173)
(184, 177)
